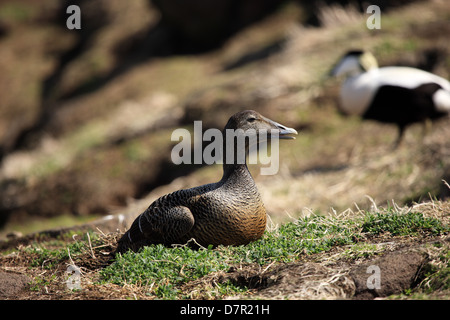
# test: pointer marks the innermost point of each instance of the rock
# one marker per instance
(11, 284)
(398, 271)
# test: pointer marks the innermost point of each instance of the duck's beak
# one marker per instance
(283, 131)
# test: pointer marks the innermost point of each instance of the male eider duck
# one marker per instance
(228, 212)
(394, 94)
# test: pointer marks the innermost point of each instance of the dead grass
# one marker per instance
(335, 15)
(325, 275)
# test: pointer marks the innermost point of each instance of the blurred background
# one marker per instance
(86, 115)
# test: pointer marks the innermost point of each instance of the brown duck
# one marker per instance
(228, 212)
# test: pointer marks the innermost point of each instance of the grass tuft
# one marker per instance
(163, 270)
(411, 223)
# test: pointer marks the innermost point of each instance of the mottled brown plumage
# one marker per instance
(228, 212)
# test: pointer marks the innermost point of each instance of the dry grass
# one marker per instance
(335, 15)
(324, 275)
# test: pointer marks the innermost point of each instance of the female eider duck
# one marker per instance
(394, 94)
(228, 212)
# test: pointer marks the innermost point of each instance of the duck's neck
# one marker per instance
(234, 157)
(236, 172)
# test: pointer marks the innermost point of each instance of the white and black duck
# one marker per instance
(391, 94)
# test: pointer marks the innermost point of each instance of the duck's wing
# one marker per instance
(165, 221)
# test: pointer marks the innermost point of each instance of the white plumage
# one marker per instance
(400, 95)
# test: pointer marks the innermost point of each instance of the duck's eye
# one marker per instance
(252, 119)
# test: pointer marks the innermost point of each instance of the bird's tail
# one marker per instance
(441, 99)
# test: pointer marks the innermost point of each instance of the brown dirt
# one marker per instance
(12, 283)
(329, 275)
(399, 270)
(403, 263)
(320, 277)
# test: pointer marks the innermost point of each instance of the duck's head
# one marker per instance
(252, 121)
(353, 63)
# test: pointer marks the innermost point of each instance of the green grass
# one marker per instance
(411, 223)
(305, 235)
(50, 254)
(161, 272)
(163, 269)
